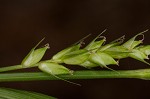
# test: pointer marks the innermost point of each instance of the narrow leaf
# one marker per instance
(7, 93)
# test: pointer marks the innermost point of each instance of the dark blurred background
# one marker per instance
(23, 23)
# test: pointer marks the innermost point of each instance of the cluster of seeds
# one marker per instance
(95, 54)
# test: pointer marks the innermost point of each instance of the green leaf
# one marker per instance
(118, 52)
(76, 57)
(131, 43)
(135, 44)
(98, 59)
(34, 56)
(56, 69)
(102, 59)
(103, 48)
(58, 57)
(7, 93)
(53, 68)
(107, 59)
(88, 64)
(145, 49)
(138, 55)
(96, 44)
(113, 43)
(60, 54)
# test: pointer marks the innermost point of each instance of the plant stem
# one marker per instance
(16, 67)
(9, 68)
(86, 74)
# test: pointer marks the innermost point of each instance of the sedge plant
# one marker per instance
(95, 54)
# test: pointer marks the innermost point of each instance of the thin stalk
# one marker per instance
(14, 67)
(86, 74)
(9, 68)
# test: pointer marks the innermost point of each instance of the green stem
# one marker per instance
(9, 68)
(16, 67)
(86, 74)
